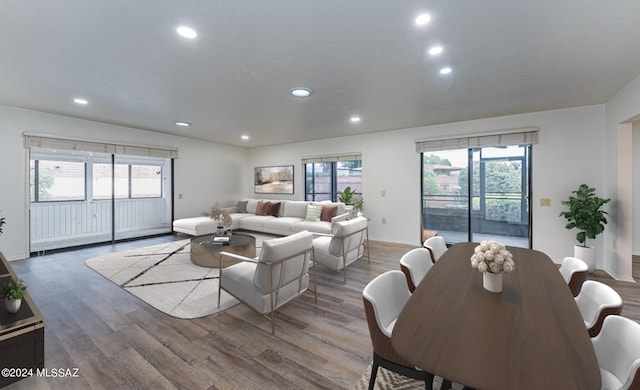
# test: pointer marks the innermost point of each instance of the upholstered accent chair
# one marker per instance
(344, 246)
(278, 275)
(597, 301)
(574, 271)
(436, 246)
(415, 264)
(618, 352)
(384, 297)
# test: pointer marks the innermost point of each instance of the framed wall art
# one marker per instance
(274, 180)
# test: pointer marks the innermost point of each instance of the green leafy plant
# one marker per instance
(585, 213)
(348, 197)
(13, 289)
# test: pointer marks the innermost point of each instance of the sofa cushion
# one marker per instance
(251, 205)
(262, 208)
(328, 211)
(254, 222)
(195, 226)
(241, 207)
(341, 206)
(282, 224)
(294, 208)
(274, 209)
(314, 227)
(313, 212)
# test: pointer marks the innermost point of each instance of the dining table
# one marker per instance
(529, 336)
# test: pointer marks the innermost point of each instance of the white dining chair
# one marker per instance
(384, 297)
(415, 264)
(574, 271)
(617, 349)
(436, 246)
(597, 301)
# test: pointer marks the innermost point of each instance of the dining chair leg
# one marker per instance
(374, 372)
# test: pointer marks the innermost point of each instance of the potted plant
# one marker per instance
(1, 223)
(12, 292)
(348, 197)
(586, 215)
(222, 218)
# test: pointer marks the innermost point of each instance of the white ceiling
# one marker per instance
(360, 57)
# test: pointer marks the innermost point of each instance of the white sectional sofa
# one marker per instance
(289, 217)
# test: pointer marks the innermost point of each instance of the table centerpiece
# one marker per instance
(492, 259)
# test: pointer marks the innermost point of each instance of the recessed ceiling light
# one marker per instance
(300, 92)
(187, 32)
(435, 50)
(183, 124)
(81, 101)
(445, 70)
(423, 19)
(245, 137)
(355, 119)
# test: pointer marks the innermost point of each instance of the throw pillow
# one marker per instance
(313, 212)
(241, 207)
(262, 208)
(274, 209)
(328, 212)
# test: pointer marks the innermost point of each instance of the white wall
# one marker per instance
(619, 111)
(636, 188)
(391, 164)
(204, 172)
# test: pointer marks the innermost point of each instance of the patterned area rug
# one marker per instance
(389, 380)
(164, 277)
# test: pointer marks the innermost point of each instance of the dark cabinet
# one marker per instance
(21, 335)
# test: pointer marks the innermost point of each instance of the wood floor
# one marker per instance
(117, 341)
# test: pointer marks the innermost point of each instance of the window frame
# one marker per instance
(311, 196)
(37, 173)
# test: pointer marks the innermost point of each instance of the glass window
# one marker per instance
(146, 181)
(326, 179)
(349, 174)
(53, 181)
(319, 181)
(101, 181)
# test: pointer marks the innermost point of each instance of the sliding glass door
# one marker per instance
(80, 198)
(142, 196)
(476, 194)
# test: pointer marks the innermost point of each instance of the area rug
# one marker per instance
(389, 380)
(164, 277)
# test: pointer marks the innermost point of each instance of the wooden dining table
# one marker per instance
(529, 336)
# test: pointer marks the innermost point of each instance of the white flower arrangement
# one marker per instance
(492, 256)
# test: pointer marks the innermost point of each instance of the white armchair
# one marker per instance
(280, 274)
(344, 246)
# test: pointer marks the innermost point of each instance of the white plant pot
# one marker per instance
(492, 282)
(586, 254)
(12, 305)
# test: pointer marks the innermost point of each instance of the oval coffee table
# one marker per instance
(205, 252)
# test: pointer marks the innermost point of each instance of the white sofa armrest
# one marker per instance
(341, 217)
